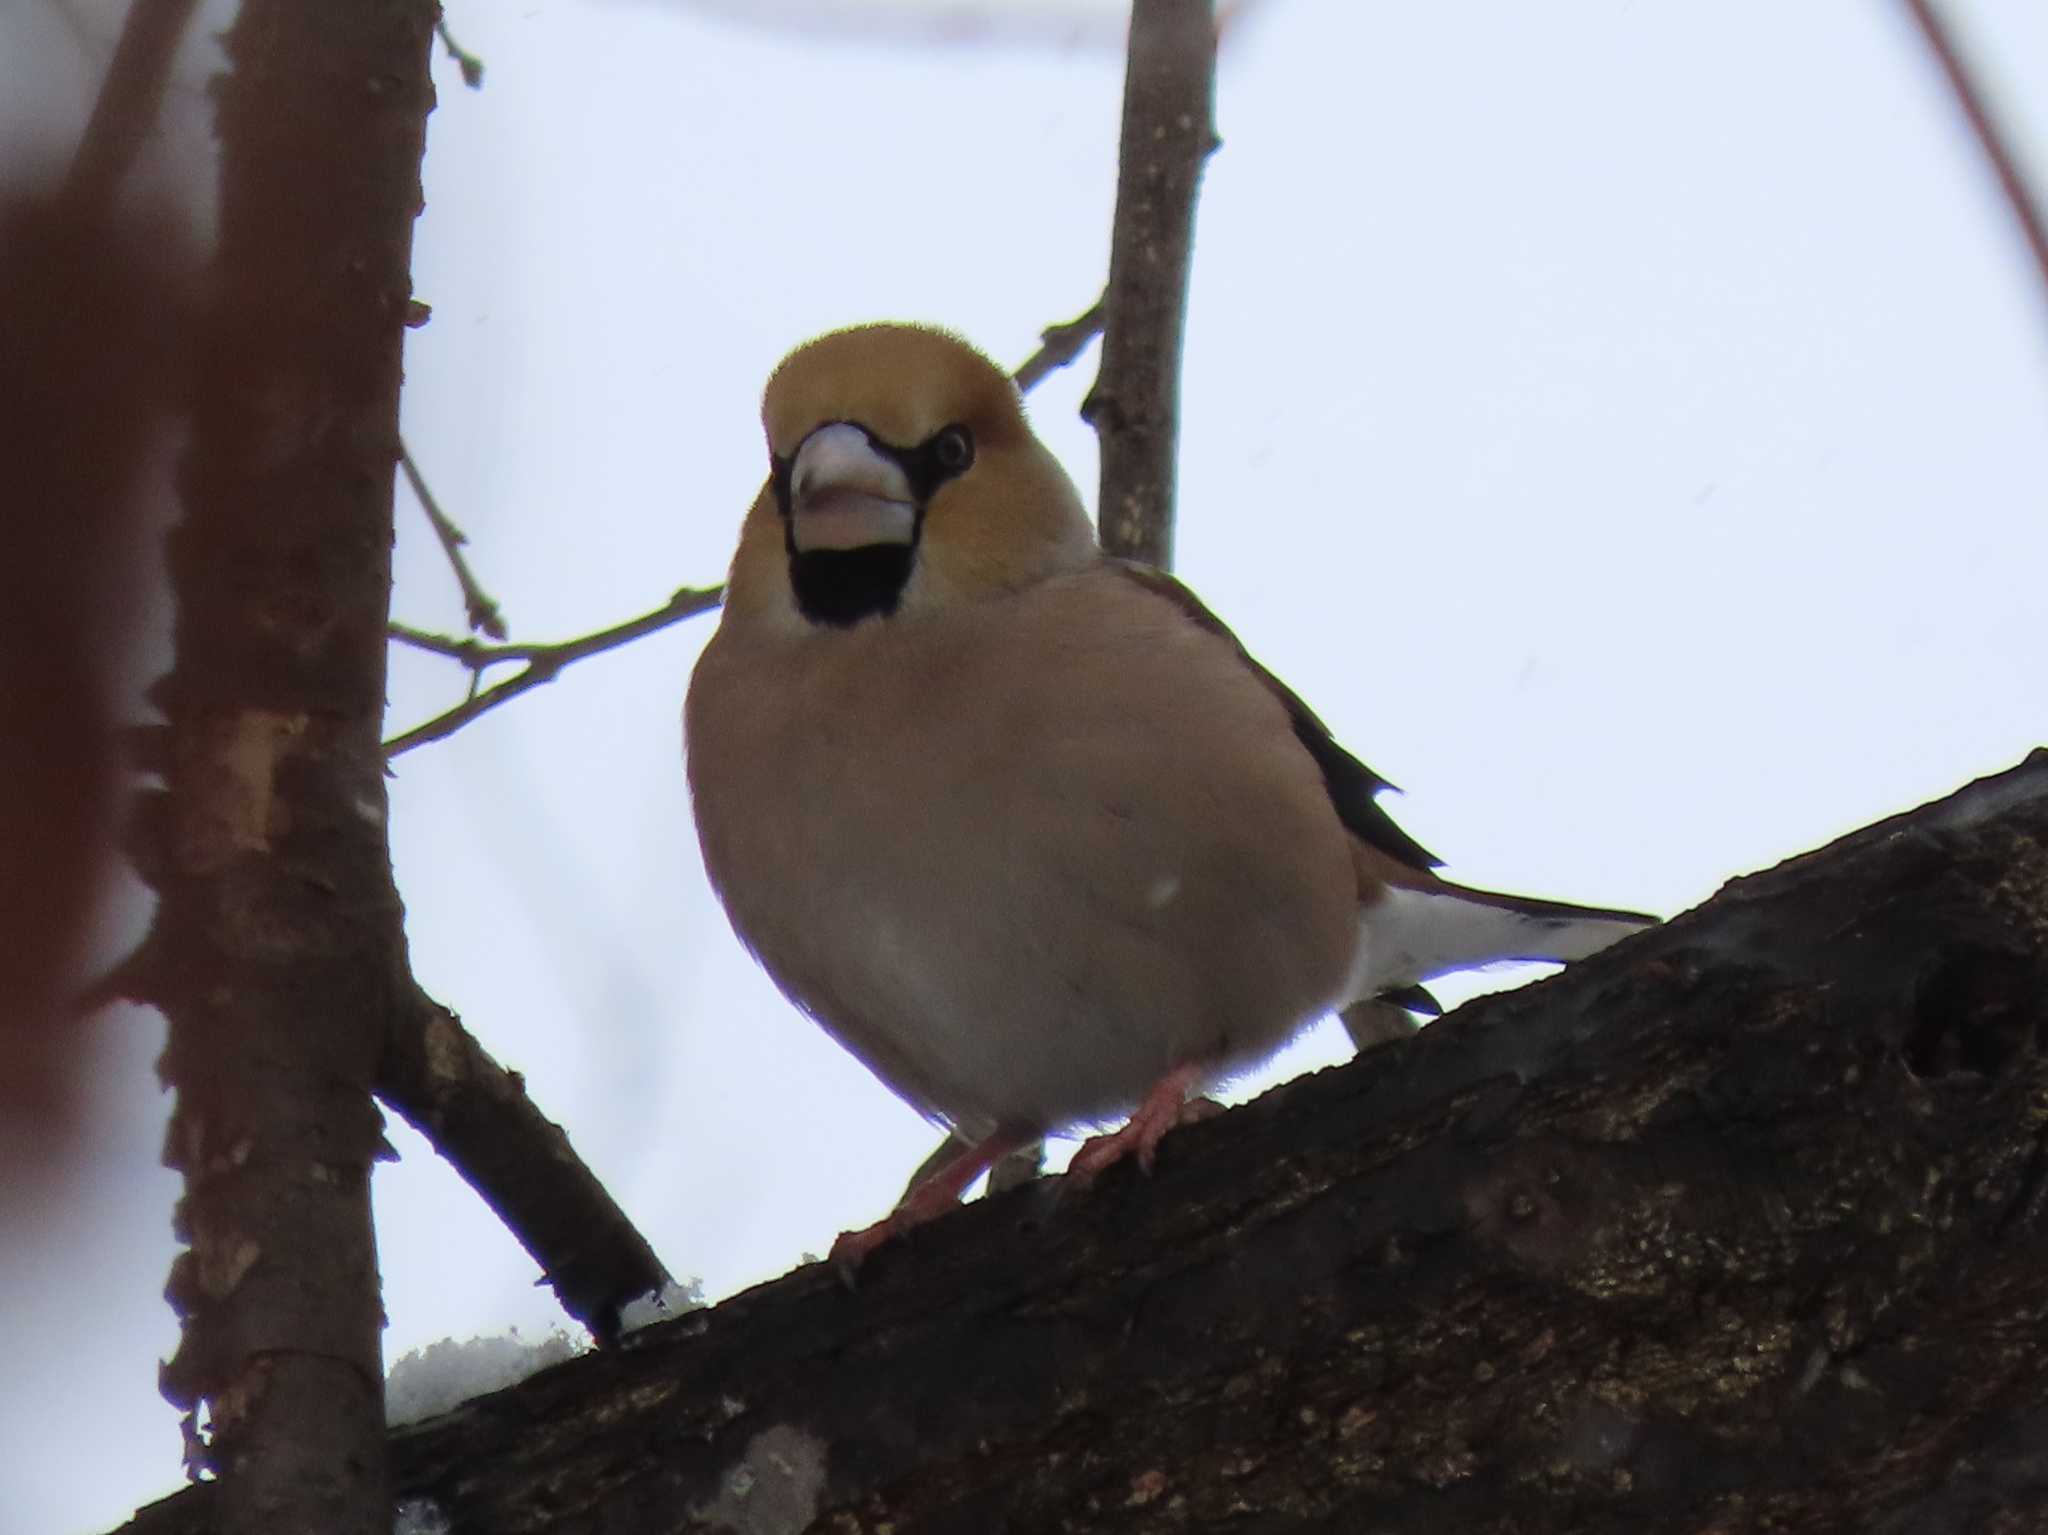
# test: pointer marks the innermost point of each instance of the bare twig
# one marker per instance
(472, 653)
(543, 662)
(128, 102)
(480, 607)
(1168, 132)
(518, 1160)
(471, 66)
(1059, 345)
(2033, 227)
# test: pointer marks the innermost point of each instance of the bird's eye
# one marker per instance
(953, 449)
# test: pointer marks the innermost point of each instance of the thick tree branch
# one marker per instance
(478, 1116)
(1742, 1223)
(276, 915)
(1168, 134)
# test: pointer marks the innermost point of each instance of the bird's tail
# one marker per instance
(1409, 934)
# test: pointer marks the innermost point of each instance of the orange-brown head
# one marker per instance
(904, 479)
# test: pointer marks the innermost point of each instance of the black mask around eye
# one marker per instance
(841, 587)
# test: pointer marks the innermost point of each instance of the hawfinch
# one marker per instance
(1022, 825)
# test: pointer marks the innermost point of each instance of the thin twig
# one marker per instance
(1168, 134)
(471, 66)
(1989, 136)
(472, 653)
(1061, 344)
(1058, 346)
(480, 607)
(543, 662)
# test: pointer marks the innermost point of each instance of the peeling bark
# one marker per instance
(274, 945)
(1742, 1224)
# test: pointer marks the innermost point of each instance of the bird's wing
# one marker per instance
(1352, 786)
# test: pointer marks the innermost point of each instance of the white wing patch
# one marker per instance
(1406, 937)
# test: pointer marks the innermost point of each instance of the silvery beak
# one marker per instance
(844, 494)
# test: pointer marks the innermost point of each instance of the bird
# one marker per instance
(1022, 825)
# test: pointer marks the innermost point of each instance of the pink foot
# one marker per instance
(1166, 1107)
(927, 1202)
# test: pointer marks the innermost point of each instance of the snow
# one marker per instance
(445, 1374)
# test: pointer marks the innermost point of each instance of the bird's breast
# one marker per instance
(1020, 861)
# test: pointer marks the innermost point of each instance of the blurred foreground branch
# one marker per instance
(95, 352)
(128, 103)
(1990, 138)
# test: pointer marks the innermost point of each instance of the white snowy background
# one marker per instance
(1627, 424)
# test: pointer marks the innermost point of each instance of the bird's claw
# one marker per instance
(1166, 1107)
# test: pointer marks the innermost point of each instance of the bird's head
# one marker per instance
(903, 479)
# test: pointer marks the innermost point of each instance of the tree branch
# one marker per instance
(276, 916)
(2018, 195)
(478, 605)
(543, 662)
(471, 66)
(478, 1116)
(1168, 134)
(1740, 1223)
(1058, 346)
(129, 101)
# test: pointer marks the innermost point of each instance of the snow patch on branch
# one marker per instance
(442, 1376)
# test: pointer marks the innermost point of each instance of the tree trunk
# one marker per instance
(1739, 1225)
(277, 926)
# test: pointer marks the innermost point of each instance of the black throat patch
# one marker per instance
(842, 586)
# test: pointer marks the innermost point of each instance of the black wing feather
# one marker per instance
(1352, 786)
